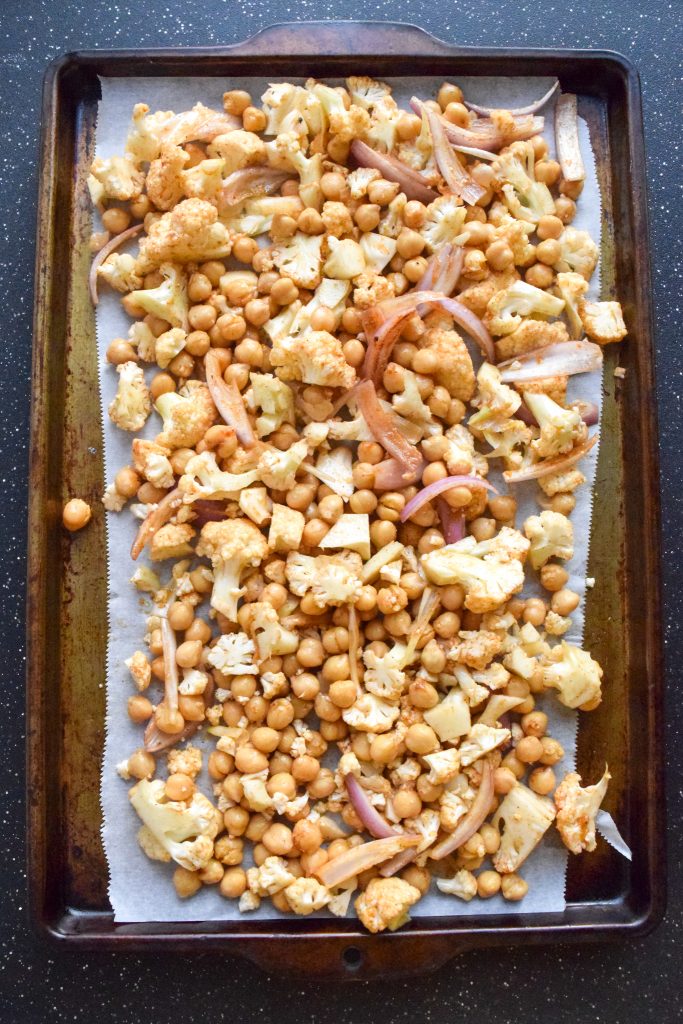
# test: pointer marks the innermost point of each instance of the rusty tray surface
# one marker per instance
(607, 897)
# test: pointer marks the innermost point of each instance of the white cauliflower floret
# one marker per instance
(194, 682)
(366, 92)
(444, 222)
(385, 903)
(450, 718)
(145, 580)
(382, 134)
(270, 636)
(332, 580)
(551, 535)
(306, 895)
(574, 673)
(346, 259)
(463, 884)
(112, 500)
(169, 300)
(370, 714)
(572, 287)
(151, 461)
(248, 901)
(408, 402)
(561, 429)
(523, 818)
(460, 456)
(274, 684)
(337, 219)
(314, 358)
(358, 181)
(576, 810)
(256, 503)
(203, 479)
(352, 531)
(455, 802)
(383, 675)
(299, 258)
(190, 232)
(286, 529)
(169, 345)
(495, 401)
(233, 545)
(185, 830)
(277, 469)
(171, 541)
(255, 792)
(187, 415)
(141, 338)
(254, 215)
(276, 401)
(114, 178)
(603, 321)
(238, 149)
(578, 253)
(140, 669)
(335, 469)
(391, 223)
(489, 581)
(378, 250)
(505, 310)
(561, 483)
(370, 288)
(187, 761)
(132, 405)
(233, 655)
(291, 108)
(525, 198)
(164, 183)
(443, 765)
(556, 625)
(454, 369)
(476, 648)
(426, 825)
(204, 180)
(342, 123)
(152, 131)
(481, 739)
(118, 270)
(271, 877)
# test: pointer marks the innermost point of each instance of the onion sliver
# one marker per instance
(466, 828)
(369, 815)
(101, 256)
(228, 400)
(548, 466)
(563, 358)
(384, 428)
(412, 182)
(360, 858)
(567, 139)
(518, 111)
(437, 487)
(169, 504)
(459, 180)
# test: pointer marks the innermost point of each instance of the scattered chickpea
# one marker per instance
(76, 514)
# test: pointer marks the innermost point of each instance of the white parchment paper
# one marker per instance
(140, 889)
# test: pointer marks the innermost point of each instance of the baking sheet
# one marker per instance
(140, 889)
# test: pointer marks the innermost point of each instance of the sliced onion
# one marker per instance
(531, 108)
(360, 858)
(207, 511)
(525, 126)
(491, 140)
(567, 139)
(159, 515)
(397, 863)
(390, 475)
(479, 154)
(437, 487)
(459, 181)
(101, 256)
(563, 358)
(369, 815)
(452, 521)
(228, 400)
(251, 181)
(169, 645)
(155, 740)
(443, 270)
(466, 828)
(381, 343)
(384, 428)
(412, 182)
(548, 466)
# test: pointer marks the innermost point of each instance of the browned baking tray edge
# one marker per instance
(607, 897)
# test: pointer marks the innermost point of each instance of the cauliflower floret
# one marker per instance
(408, 402)
(171, 541)
(286, 153)
(572, 287)
(476, 648)
(454, 369)
(530, 335)
(140, 669)
(494, 400)
(505, 437)
(169, 345)
(366, 92)
(256, 504)
(112, 500)
(335, 469)
(254, 216)
(233, 655)
(233, 545)
(190, 232)
(115, 178)
(370, 713)
(277, 469)
(481, 739)
(238, 149)
(145, 580)
(489, 581)
(575, 674)
(274, 684)
(270, 636)
(276, 401)
(204, 180)
(306, 895)
(358, 181)
(561, 483)
(194, 682)
(187, 761)
(444, 222)
(248, 901)
(463, 884)
(460, 456)
(443, 765)
(369, 288)
(477, 296)
(164, 185)
(579, 253)
(152, 131)
(255, 792)
(132, 405)
(299, 258)
(505, 310)
(286, 529)
(203, 479)
(352, 531)
(551, 536)
(450, 718)
(561, 429)
(141, 338)
(332, 580)
(378, 250)
(169, 300)
(391, 224)
(346, 259)
(603, 321)
(556, 625)
(576, 810)
(525, 818)
(187, 415)
(383, 675)
(382, 134)
(148, 842)
(185, 830)
(515, 234)
(337, 219)
(385, 903)
(271, 877)
(118, 270)
(525, 198)
(291, 108)
(314, 358)
(342, 123)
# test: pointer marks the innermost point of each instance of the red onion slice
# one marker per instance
(385, 429)
(207, 511)
(228, 400)
(466, 828)
(567, 139)
(443, 270)
(412, 182)
(563, 358)
(360, 858)
(169, 645)
(169, 504)
(101, 256)
(452, 521)
(437, 487)
(397, 863)
(369, 815)
(531, 108)
(456, 177)
(251, 181)
(381, 345)
(548, 466)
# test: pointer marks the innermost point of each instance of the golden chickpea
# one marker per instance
(280, 714)
(233, 883)
(529, 749)
(116, 220)
(499, 255)
(333, 732)
(186, 883)
(564, 602)
(422, 694)
(265, 739)
(180, 615)
(549, 227)
(232, 787)
(409, 243)
(552, 751)
(368, 599)
(512, 763)
(563, 503)
(502, 507)
(542, 781)
(421, 739)
(384, 748)
(310, 653)
(449, 93)
(236, 102)
(482, 528)
(232, 712)
(322, 786)
(452, 597)
(141, 765)
(408, 126)
(314, 531)
(305, 686)
(382, 192)
(548, 251)
(488, 884)
(179, 787)
(253, 119)
(490, 837)
(127, 482)
(331, 508)
(169, 720)
(148, 494)
(161, 384)
(535, 724)
(305, 768)
(503, 780)
(192, 708)
(565, 209)
(547, 172)
(553, 577)
(428, 792)
(363, 475)
(447, 625)
(514, 888)
(219, 765)
(433, 658)
(571, 189)
(248, 760)
(343, 693)
(535, 611)
(284, 291)
(407, 803)
(539, 275)
(121, 351)
(412, 584)
(76, 514)
(140, 709)
(277, 839)
(398, 623)
(307, 836)
(282, 226)
(260, 854)
(189, 653)
(382, 533)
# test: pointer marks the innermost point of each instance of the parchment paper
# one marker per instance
(140, 889)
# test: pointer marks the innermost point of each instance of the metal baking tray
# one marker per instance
(607, 897)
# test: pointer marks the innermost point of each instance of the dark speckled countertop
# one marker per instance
(633, 983)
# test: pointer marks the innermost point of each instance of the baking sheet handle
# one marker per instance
(324, 38)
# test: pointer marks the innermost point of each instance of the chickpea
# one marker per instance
(548, 227)
(220, 764)
(428, 792)
(449, 93)
(330, 509)
(307, 836)
(233, 883)
(529, 749)
(367, 216)
(249, 761)
(458, 114)
(422, 694)
(284, 291)
(535, 611)
(382, 533)
(421, 739)
(232, 787)
(363, 475)
(412, 584)
(539, 275)
(408, 126)
(189, 653)
(512, 763)
(542, 781)
(407, 803)
(253, 119)
(483, 529)
(314, 531)
(548, 251)
(384, 748)
(490, 837)
(398, 623)
(179, 787)
(186, 883)
(140, 709)
(265, 739)
(447, 625)
(310, 653)
(280, 714)
(564, 602)
(236, 102)
(161, 384)
(382, 192)
(433, 658)
(76, 514)
(552, 751)
(141, 765)
(572, 189)
(258, 824)
(232, 712)
(322, 785)
(305, 768)
(514, 888)
(547, 172)
(305, 686)
(310, 222)
(257, 311)
(343, 693)
(488, 884)
(535, 724)
(565, 209)
(554, 577)
(499, 255)
(563, 503)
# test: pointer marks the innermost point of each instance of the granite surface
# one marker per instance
(634, 983)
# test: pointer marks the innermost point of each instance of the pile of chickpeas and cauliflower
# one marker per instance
(343, 314)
